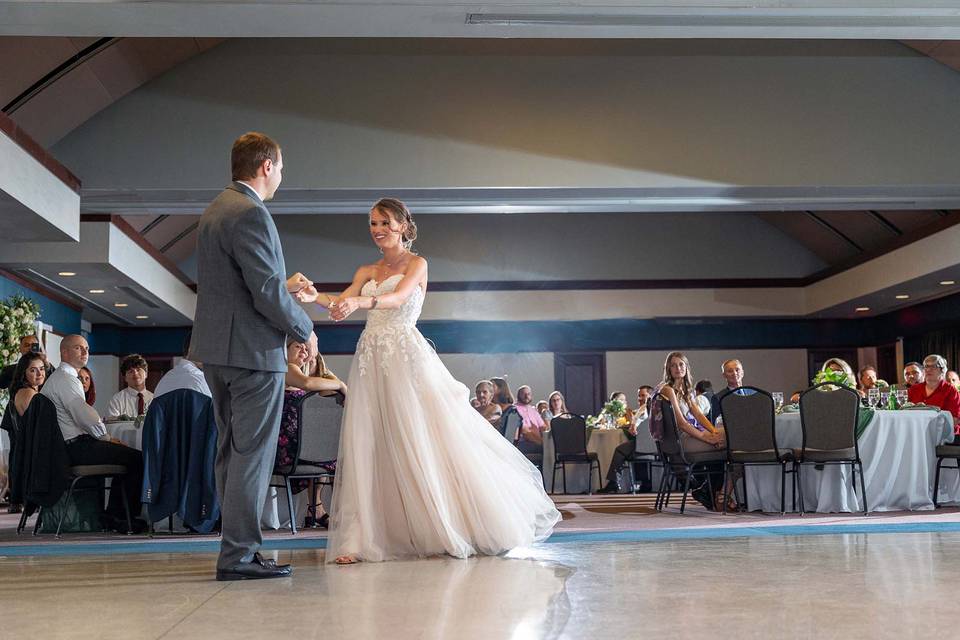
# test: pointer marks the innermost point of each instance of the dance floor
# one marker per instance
(613, 569)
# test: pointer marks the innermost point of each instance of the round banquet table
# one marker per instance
(127, 432)
(899, 460)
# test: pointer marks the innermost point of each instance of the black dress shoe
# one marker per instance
(611, 487)
(258, 569)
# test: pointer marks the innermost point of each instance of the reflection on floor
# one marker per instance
(613, 570)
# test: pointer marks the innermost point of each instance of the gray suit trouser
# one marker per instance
(247, 405)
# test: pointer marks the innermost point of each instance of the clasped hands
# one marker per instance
(304, 290)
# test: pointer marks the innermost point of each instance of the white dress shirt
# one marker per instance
(185, 375)
(124, 403)
(75, 416)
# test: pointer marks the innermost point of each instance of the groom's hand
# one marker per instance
(307, 294)
(298, 281)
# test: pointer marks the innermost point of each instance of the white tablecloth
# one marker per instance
(899, 460)
(126, 432)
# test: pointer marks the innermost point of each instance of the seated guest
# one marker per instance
(867, 376)
(186, 374)
(556, 406)
(89, 389)
(488, 408)
(936, 391)
(625, 449)
(475, 403)
(953, 378)
(542, 409)
(502, 396)
(29, 375)
(533, 426)
(732, 371)
(704, 388)
(28, 344)
(298, 383)
(131, 401)
(696, 430)
(85, 435)
(912, 373)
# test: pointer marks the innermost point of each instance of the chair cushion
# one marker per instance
(303, 470)
(707, 456)
(84, 470)
(767, 455)
(829, 455)
(578, 457)
(948, 451)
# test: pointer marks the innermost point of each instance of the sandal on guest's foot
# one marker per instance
(345, 560)
(324, 521)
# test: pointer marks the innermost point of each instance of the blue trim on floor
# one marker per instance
(62, 548)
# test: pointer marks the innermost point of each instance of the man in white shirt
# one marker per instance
(133, 400)
(184, 375)
(86, 437)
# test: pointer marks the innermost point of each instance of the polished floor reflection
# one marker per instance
(851, 586)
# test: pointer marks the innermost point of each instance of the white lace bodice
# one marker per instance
(390, 332)
(403, 316)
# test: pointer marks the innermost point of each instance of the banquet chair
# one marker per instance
(751, 429)
(944, 452)
(510, 423)
(318, 442)
(645, 453)
(570, 447)
(828, 421)
(678, 464)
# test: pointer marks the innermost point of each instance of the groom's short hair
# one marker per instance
(249, 152)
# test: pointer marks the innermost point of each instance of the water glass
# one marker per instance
(777, 399)
(873, 397)
(884, 398)
(902, 397)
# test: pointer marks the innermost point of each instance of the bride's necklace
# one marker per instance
(395, 262)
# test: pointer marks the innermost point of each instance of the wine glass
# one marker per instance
(873, 397)
(884, 398)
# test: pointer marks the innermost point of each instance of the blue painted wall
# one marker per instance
(62, 318)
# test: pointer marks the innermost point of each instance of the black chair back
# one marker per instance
(318, 422)
(510, 423)
(749, 419)
(569, 435)
(670, 443)
(828, 417)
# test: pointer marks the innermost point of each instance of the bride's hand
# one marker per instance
(343, 308)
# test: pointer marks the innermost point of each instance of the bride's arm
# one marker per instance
(415, 275)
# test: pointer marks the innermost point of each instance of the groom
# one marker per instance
(245, 310)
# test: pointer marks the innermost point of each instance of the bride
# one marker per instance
(419, 472)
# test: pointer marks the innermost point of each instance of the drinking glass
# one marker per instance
(902, 397)
(873, 397)
(884, 398)
(777, 399)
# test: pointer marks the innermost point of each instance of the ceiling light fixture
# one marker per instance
(902, 296)
(66, 274)
(142, 317)
(97, 291)
(120, 304)
(863, 309)
(947, 283)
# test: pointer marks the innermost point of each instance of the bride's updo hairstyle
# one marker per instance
(399, 213)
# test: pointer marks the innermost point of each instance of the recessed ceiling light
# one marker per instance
(120, 304)
(66, 274)
(142, 317)
(947, 283)
(902, 296)
(863, 309)
(97, 291)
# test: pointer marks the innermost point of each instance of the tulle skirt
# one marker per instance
(420, 472)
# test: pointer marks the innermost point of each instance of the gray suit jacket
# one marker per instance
(244, 311)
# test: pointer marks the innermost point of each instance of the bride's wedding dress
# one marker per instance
(420, 472)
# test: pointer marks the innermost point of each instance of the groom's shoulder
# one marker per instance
(235, 203)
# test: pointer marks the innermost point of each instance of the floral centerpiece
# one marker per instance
(615, 415)
(838, 378)
(18, 315)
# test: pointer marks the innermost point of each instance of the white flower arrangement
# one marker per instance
(18, 315)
